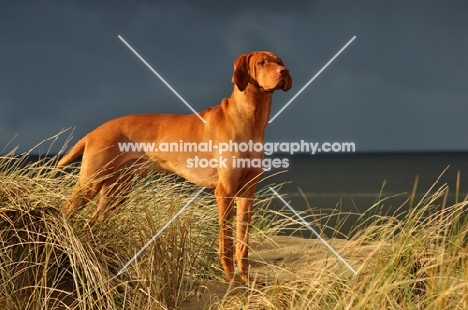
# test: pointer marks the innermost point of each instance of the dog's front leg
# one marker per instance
(225, 203)
(243, 220)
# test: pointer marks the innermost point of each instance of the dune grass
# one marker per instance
(50, 262)
(414, 260)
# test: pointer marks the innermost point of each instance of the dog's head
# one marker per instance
(264, 70)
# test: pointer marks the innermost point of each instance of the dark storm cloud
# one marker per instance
(401, 85)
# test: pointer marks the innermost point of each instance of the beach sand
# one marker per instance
(281, 259)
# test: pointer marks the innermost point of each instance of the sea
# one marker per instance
(340, 191)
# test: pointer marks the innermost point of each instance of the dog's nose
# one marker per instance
(282, 70)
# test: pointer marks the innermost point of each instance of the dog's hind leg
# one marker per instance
(82, 194)
(114, 192)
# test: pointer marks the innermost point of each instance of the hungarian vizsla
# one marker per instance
(241, 118)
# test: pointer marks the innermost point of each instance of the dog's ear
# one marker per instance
(241, 71)
(287, 82)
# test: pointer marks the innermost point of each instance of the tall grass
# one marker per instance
(50, 262)
(415, 259)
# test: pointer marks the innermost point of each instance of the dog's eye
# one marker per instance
(261, 62)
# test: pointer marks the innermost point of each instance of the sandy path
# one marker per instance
(279, 259)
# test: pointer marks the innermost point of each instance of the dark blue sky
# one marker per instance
(402, 85)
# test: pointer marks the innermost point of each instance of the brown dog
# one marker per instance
(240, 118)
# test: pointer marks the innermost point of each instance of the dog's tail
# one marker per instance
(76, 150)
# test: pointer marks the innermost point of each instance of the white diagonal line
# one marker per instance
(160, 231)
(162, 79)
(315, 233)
(311, 80)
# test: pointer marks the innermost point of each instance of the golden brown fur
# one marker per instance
(240, 118)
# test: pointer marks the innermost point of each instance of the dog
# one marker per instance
(241, 118)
